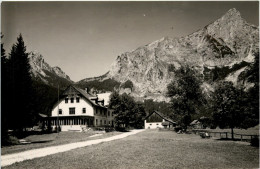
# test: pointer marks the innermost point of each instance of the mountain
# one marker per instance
(43, 72)
(220, 50)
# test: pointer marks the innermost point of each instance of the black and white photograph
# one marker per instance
(129, 84)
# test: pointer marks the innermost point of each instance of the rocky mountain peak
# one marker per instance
(232, 13)
(42, 70)
(228, 41)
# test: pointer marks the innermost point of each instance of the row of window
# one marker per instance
(105, 122)
(72, 100)
(156, 124)
(103, 112)
(72, 110)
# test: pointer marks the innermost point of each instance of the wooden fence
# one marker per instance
(227, 135)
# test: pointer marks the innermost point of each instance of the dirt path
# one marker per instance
(41, 152)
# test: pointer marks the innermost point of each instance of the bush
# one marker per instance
(176, 129)
(109, 129)
(9, 140)
(121, 129)
(255, 142)
(204, 135)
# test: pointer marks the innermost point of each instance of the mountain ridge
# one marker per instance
(43, 72)
(226, 42)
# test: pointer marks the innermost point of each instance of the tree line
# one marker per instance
(22, 98)
(228, 106)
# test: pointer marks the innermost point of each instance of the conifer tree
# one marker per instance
(21, 91)
(4, 92)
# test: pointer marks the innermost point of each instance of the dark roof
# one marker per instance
(87, 96)
(91, 98)
(162, 116)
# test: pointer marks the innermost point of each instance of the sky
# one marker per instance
(85, 38)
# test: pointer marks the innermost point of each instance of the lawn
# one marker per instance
(153, 149)
(45, 140)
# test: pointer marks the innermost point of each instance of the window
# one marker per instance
(96, 121)
(109, 122)
(77, 99)
(60, 111)
(105, 122)
(72, 110)
(108, 113)
(83, 110)
(100, 122)
(72, 100)
(66, 100)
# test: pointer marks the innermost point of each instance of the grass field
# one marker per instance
(153, 149)
(45, 140)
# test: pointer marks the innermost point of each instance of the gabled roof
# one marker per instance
(91, 98)
(87, 96)
(194, 122)
(162, 116)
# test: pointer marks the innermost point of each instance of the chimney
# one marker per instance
(86, 90)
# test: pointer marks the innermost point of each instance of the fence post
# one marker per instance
(241, 137)
(226, 135)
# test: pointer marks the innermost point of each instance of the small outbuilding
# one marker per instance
(158, 120)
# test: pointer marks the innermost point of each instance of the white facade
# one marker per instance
(78, 110)
(64, 107)
(157, 120)
(105, 97)
(153, 125)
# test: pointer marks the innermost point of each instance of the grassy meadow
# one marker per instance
(153, 149)
(46, 140)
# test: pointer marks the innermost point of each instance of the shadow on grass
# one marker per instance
(228, 139)
(44, 141)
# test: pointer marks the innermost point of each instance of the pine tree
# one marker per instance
(4, 92)
(21, 87)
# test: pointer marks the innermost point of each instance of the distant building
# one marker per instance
(158, 120)
(77, 109)
(195, 124)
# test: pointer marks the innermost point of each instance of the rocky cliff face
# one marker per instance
(44, 72)
(226, 42)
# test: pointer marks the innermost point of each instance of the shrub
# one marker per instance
(176, 129)
(9, 140)
(121, 129)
